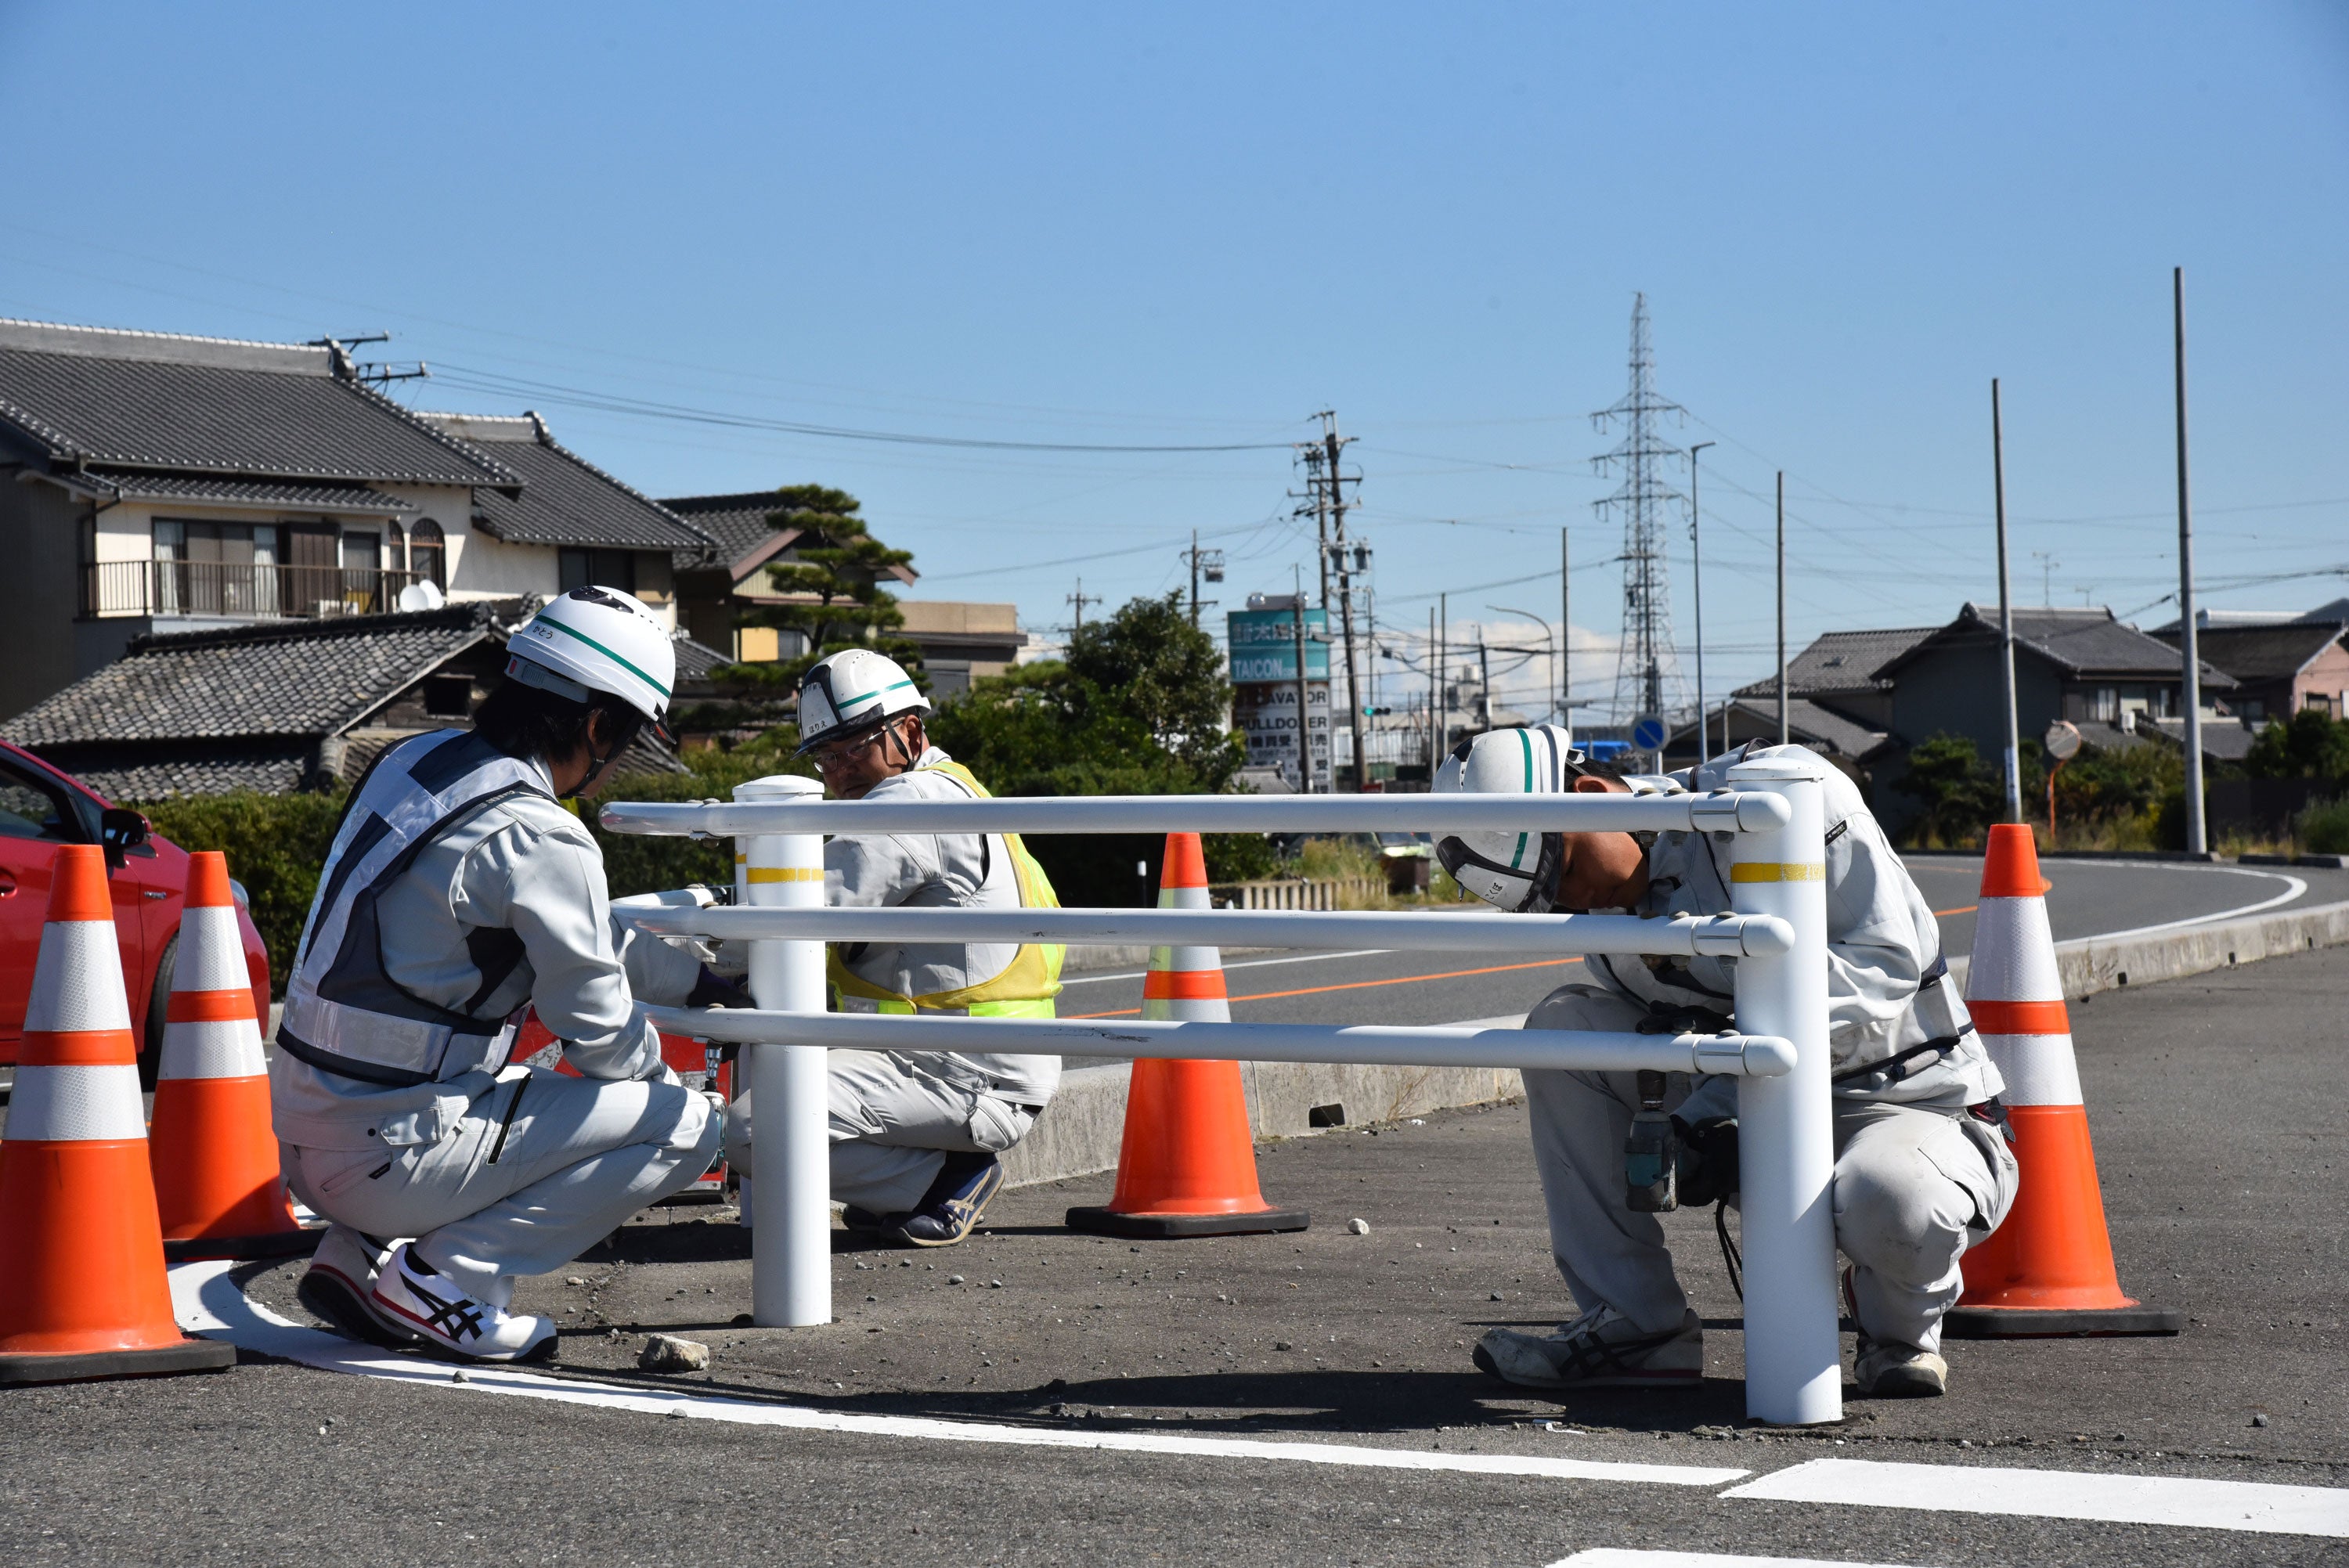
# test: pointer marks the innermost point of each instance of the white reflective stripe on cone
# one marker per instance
(212, 952)
(76, 1104)
(220, 1049)
(1186, 960)
(2039, 1069)
(2014, 954)
(77, 982)
(1187, 1010)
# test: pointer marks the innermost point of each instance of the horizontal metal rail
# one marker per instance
(1747, 1056)
(1683, 936)
(1722, 811)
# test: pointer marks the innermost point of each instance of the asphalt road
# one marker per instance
(2089, 898)
(2219, 1125)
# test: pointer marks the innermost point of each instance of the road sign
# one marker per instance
(1648, 733)
(2062, 740)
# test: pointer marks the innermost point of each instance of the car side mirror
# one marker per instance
(123, 830)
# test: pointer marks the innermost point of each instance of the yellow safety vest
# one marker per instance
(1026, 987)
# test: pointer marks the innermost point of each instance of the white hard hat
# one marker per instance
(853, 690)
(597, 639)
(1516, 872)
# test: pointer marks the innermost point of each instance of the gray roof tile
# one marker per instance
(2082, 642)
(142, 400)
(737, 522)
(291, 497)
(1841, 662)
(2260, 652)
(565, 499)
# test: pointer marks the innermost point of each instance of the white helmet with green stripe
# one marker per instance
(1511, 870)
(853, 690)
(597, 639)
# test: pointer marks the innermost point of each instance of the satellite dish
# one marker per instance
(423, 595)
(2062, 740)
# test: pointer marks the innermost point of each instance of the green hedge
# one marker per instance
(276, 845)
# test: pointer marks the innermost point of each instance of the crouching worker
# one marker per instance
(917, 1135)
(460, 888)
(1922, 1169)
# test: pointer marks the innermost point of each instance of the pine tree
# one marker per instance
(838, 571)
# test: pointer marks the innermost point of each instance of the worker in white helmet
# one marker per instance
(458, 889)
(1922, 1169)
(917, 1137)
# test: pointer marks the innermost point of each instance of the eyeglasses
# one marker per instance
(838, 753)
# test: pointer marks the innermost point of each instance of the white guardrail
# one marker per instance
(1770, 817)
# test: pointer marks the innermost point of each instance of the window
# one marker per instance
(2253, 708)
(603, 568)
(216, 568)
(428, 553)
(448, 697)
(2105, 705)
(32, 807)
(2316, 699)
(362, 553)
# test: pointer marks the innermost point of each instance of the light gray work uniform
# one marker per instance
(1916, 1179)
(895, 1115)
(458, 890)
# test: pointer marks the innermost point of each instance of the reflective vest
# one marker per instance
(343, 1012)
(1026, 987)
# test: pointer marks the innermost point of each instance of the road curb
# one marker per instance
(1079, 1135)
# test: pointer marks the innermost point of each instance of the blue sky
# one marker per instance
(1198, 225)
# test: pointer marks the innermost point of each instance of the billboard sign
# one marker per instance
(1264, 647)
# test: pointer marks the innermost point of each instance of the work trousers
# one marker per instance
(541, 1168)
(894, 1119)
(1915, 1186)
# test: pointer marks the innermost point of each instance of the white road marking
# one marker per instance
(1620, 1557)
(1069, 980)
(2257, 1506)
(208, 1302)
(2293, 887)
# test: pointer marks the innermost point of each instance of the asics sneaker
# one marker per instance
(1888, 1369)
(339, 1283)
(442, 1316)
(951, 1207)
(1602, 1349)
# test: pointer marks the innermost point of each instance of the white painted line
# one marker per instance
(1070, 980)
(1621, 1557)
(2293, 887)
(208, 1302)
(2256, 1506)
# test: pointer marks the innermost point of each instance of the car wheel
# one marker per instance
(159, 1007)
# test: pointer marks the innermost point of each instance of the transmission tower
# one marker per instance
(1647, 674)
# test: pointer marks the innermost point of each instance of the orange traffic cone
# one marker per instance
(215, 1158)
(82, 1289)
(1187, 1165)
(2048, 1270)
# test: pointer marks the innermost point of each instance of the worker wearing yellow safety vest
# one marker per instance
(916, 1137)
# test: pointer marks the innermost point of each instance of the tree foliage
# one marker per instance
(2136, 792)
(2310, 744)
(276, 845)
(835, 581)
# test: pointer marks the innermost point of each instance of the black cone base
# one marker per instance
(163, 1361)
(275, 1244)
(2032, 1322)
(1100, 1222)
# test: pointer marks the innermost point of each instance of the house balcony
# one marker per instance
(236, 591)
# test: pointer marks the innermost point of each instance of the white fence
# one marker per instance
(1769, 817)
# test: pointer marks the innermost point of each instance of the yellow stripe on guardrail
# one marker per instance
(1777, 871)
(785, 874)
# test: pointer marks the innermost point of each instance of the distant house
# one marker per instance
(294, 704)
(2079, 665)
(2279, 668)
(1836, 703)
(1808, 723)
(168, 484)
(959, 641)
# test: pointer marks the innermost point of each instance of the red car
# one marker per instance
(41, 808)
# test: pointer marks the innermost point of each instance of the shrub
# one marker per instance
(275, 843)
(2322, 827)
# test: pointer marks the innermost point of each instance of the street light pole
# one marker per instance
(1696, 581)
(2188, 638)
(2005, 612)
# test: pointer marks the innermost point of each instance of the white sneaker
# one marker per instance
(428, 1304)
(1602, 1349)
(339, 1285)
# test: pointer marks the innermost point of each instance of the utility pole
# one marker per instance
(1326, 485)
(1434, 695)
(1304, 691)
(1784, 733)
(1565, 634)
(2188, 634)
(1484, 681)
(1207, 561)
(1081, 599)
(2048, 564)
(1696, 582)
(2005, 612)
(1443, 676)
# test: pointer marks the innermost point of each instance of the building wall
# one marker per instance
(1960, 689)
(2325, 677)
(38, 525)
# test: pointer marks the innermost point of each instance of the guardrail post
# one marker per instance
(791, 1216)
(1794, 1372)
